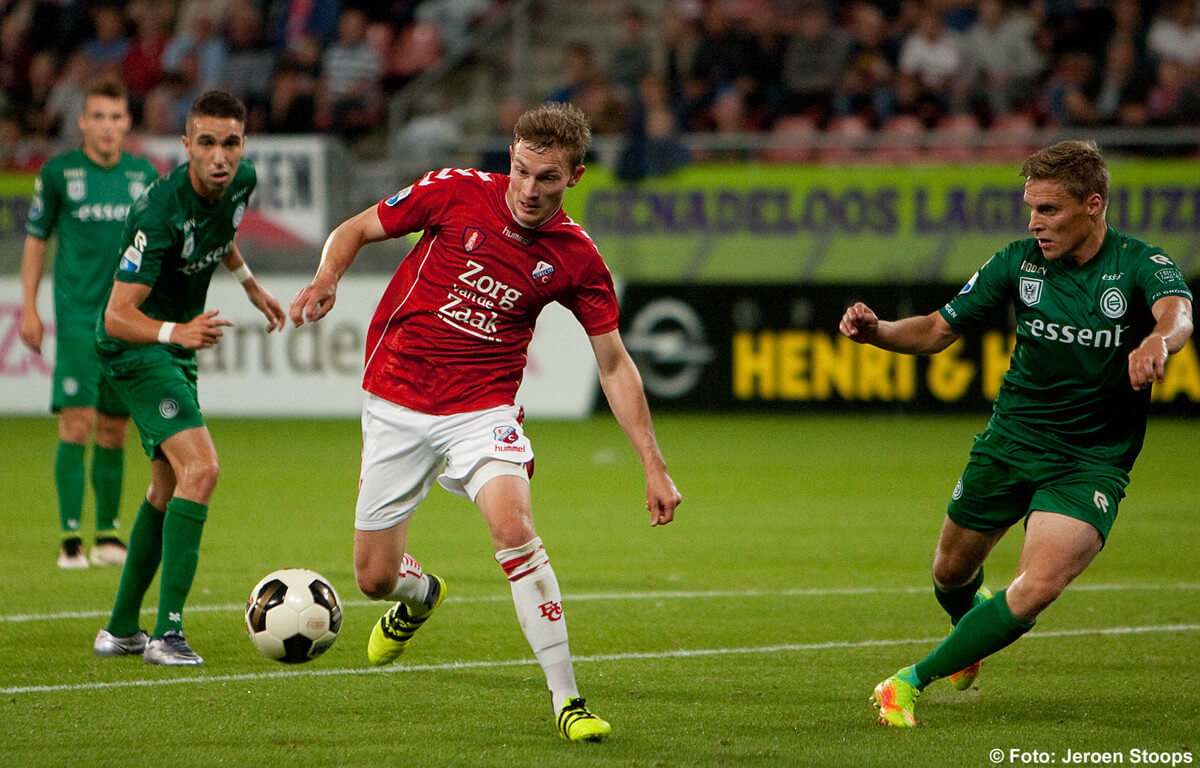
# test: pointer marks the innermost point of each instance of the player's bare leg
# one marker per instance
(505, 503)
(958, 580)
(1057, 549)
(385, 572)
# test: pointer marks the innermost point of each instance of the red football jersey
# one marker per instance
(451, 332)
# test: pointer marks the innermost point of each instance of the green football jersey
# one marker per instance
(173, 241)
(85, 205)
(1067, 387)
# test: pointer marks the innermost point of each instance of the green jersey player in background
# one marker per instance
(153, 323)
(82, 197)
(1097, 313)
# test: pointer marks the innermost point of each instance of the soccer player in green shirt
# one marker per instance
(83, 197)
(1097, 313)
(154, 322)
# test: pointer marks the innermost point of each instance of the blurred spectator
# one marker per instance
(815, 62)
(629, 58)
(723, 54)
(1064, 101)
(495, 158)
(32, 115)
(868, 85)
(679, 41)
(65, 103)
(289, 21)
(1003, 61)
(293, 99)
(1175, 34)
(141, 69)
(250, 63)
(652, 146)
(605, 107)
(202, 40)
(1122, 89)
(453, 19)
(19, 154)
(931, 53)
(158, 117)
(579, 69)
(351, 72)
(1173, 99)
(15, 56)
(107, 46)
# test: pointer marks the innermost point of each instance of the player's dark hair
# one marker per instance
(217, 104)
(107, 86)
(555, 124)
(1077, 165)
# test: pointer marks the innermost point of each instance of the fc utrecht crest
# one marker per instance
(543, 272)
(472, 238)
(1030, 290)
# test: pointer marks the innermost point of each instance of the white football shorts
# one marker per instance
(404, 451)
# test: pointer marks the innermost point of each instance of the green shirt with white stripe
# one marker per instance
(1067, 387)
(84, 204)
(173, 241)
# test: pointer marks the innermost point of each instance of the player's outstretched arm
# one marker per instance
(259, 296)
(341, 247)
(622, 385)
(124, 319)
(1172, 328)
(33, 262)
(916, 335)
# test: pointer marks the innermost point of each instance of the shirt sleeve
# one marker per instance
(44, 206)
(593, 299)
(988, 289)
(419, 206)
(148, 239)
(1158, 276)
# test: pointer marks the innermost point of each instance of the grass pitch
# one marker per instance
(747, 633)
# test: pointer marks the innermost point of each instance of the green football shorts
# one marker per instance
(1005, 481)
(159, 389)
(78, 380)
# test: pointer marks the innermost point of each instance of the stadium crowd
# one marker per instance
(654, 70)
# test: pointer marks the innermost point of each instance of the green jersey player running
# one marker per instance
(154, 322)
(1097, 313)
(82, 197)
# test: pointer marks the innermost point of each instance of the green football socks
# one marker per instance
(108, 470)
(145, 553)
(68, 479)
(181, 531)
(958, 601)
(985, 629)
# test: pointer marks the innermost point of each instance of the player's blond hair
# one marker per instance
(555, 124)
(1077, 165)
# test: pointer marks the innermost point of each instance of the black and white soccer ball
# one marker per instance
(293, 615)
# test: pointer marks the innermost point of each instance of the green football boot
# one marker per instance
(895, 700)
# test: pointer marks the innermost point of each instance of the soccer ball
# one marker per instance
(293, 615)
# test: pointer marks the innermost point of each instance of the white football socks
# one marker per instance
(412, 587)
(539, 609)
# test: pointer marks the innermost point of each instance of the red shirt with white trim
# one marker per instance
(450, 334)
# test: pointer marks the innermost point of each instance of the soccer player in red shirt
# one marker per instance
(445, 353)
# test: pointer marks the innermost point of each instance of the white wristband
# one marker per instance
(243, 273)
(164, 333)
